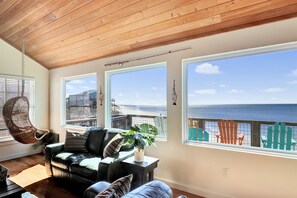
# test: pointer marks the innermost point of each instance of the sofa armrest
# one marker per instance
(95, 189)
(50, 150)
(110, 168)
(152, 189)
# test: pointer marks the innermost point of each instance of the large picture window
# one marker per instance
(138, 96)
(11, 86)
(81, 101)
(245, 99)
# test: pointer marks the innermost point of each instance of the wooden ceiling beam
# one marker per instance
(13, 10)
(30, 19)
(109, 21)
(5, 5)
(43, 25)
(55, 11)
(89, 21)
(183, 15)
(128, 42)
(247, 21)
(169, 18)
(33, 7)
(74, 19)
(65, 32)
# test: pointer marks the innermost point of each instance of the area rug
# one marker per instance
(30, 176)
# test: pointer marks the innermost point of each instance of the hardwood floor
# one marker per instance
(49, 188)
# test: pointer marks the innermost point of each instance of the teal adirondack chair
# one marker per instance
(279, 137)
(197, 134)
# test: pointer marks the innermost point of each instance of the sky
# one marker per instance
(80, 85)
(269, 78)
(142, 87)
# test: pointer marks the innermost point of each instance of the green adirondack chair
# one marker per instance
(279, 136)
(197, 134)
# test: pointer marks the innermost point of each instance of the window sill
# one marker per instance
(7, 141)
(161, 139)
(72, 127)
(242, 149)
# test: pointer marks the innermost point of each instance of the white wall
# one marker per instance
(193, 168)
(10, 64)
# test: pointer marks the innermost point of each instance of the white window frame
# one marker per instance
(232, 54)
(107, 99)
(32, 109)
(63, 100)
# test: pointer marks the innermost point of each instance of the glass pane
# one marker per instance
(11, 87)
(139, 96)
(81, 103)
(253, 91)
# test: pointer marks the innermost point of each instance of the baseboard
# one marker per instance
(192, 190)
(19, 154)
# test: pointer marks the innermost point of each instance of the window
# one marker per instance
(255, 89)
(11, 86)
(137, 96)
(81, 101)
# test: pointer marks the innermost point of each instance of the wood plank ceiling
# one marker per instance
(64, 32)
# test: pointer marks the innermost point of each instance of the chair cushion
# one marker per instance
(76, 141)
(95, 140)
(117, 188)
(87, 168)
(114, 146)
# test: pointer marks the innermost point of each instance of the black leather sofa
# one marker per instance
(153, 189)
(69, 168)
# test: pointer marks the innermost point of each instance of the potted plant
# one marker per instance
(140, 136)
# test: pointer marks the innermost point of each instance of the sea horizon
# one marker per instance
(257, 112)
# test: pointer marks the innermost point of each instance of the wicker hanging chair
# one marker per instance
(16, 116)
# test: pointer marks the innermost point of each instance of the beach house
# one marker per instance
(217, 78)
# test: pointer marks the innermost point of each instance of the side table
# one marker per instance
(11, 190)
(143, 172)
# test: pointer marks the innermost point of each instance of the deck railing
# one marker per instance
(252, 129)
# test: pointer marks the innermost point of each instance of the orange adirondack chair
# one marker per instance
(228, 132)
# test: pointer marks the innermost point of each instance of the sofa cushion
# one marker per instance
(117, 188)
(95, 140)
(113, 146)
(65, 159)
(87, 168)
(76, 141)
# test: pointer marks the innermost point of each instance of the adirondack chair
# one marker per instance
(279, 136)
(195, 133)
(228, 133)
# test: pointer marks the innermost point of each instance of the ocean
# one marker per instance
(256, 112)
(246, 112)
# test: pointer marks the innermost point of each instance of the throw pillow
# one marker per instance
(118, 188)
(113, 146)
(107, 193)
(76, 141)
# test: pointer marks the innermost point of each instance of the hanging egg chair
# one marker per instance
(16, 117)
